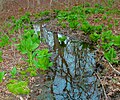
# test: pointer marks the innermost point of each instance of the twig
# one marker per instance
(106, 98)
(117, 72)
(114, 68)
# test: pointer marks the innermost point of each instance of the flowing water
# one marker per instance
(71, 77)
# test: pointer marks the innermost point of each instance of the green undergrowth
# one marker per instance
(27, 43)
(18, 87)
(77, 18)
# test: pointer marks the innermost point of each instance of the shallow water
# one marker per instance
(72, 77)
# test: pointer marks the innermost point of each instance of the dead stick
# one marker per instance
(114, 69)
(106, 98)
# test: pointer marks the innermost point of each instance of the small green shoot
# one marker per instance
(1, 76)
(4, 40)
(13, 72)
(1, 59)
(62, 39)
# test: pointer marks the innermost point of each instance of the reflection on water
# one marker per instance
(72, 75)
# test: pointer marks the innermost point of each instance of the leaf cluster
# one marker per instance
(18, 87)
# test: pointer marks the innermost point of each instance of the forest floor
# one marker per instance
(109, 79)
(11, 56)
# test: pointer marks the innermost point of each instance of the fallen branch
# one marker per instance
(117, 72)
(106, 98)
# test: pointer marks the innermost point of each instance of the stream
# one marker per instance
(71, 77)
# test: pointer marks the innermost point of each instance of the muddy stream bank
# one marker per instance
(72, 76)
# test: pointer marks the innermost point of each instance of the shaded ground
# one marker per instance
(19, 7)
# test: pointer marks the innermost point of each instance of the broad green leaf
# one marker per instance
(94, 37)
(111, 56)
(116, 40)
(14, 71)
(34, 46)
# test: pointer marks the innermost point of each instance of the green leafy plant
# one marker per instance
(41, 14)
(1, 76)
(13, 72)
(14, 39)
(23, 72)
(27, 45)
(72, 17)
(74, 24)
(62, 15)
(87, 10)
(97, 20)
(33, 73)
(20, 23)
(116, 40)
(111, 56)
(110, 3)
(29, 42)
(18, 87)
(107, 36)
(110, 26)
(116, 22)
(4, 40)
(62, 39)
(1, 59)
(98, 29)
(97, 5)
(94, 37)
(63, 25)
(104, 17)
(107, 46)
(42, 59)
(87, 28)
